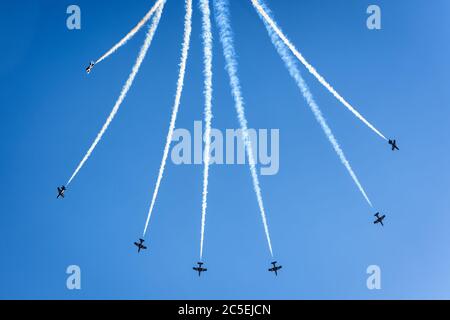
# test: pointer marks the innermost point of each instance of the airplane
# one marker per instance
(89, 68)
(140, 245)
(379, 219)
(61, 191)
(200, 269)
(275, 268)
(393, 143)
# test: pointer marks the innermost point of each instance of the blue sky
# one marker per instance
(321, 227)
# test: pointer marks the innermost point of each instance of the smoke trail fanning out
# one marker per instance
(295, 73)
(208, 57)
(132, 32)
(180, 83)
(226, 37)
(310, 68)
(126, 87)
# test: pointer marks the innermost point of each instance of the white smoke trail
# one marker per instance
(310, 68)
(132, 32)
(208, 57)
(125, 89)
(180, 84)
(226, 37)
(295, 73)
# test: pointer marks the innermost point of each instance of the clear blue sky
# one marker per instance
(321, 227)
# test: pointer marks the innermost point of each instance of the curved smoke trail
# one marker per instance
(132, 32)
(226, 37)
(208, 57)
(180, 84)
(295, 73)
(125, 89)
(310, 68)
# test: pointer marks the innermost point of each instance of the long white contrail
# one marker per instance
(125, 89)
(208, 90)
(295, 73)
(310, 68)
(180, 84)
(231, 65)
(132, 32)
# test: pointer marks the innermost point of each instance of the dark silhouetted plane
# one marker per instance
(61, 191)
(200, 269)
(393, 143)
(379, 219)
(275, 268)
(89, 68)
(140, 245)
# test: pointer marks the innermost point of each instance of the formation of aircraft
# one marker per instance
(393, 143)
(61, 191)
(89, 68)
(199, 268)
(140, 245)
(275, 268)
(379, 219)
